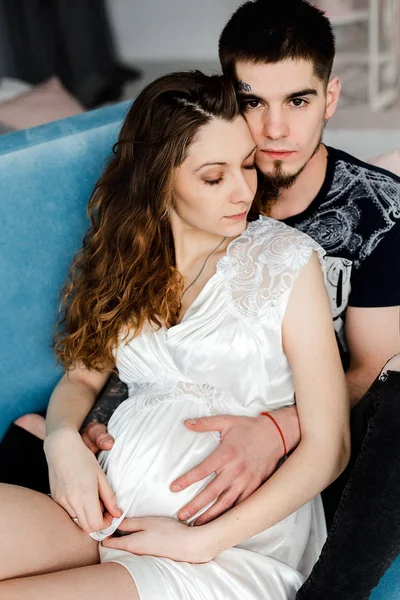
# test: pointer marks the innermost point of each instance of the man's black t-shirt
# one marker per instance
(356, 218)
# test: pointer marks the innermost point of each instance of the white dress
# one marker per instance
(225, 356)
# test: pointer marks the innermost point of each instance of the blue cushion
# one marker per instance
(389, 585)
(46, 176)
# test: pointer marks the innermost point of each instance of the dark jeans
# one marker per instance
(364, 537)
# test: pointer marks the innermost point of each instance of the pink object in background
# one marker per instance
(335, 8)
(48, 101)
(389, 161)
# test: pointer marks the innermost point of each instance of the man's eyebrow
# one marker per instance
(249, 96)
(291, 96)
(305, 92)
(223, 164)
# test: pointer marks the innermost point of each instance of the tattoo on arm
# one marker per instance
(114, 392)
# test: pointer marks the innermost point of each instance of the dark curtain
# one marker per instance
(68, 38)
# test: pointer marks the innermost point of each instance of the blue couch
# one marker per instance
(46, 176)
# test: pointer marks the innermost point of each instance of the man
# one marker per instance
(280, 56)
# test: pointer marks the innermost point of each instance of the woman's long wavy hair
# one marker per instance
(125, 274)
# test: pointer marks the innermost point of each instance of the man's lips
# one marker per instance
(278, 154)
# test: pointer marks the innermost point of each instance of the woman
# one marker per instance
(201, 313)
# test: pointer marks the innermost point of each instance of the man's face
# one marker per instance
(285, 105)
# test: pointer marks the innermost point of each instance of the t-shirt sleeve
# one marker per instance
(377, 282)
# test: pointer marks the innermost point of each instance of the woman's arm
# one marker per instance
(323, 409)
(76, 481)
(73, 397)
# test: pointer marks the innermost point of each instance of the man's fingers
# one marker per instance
(107, 497)
(211, 464)
(217, 423)
(97, 434)
(224, 503)
(210, 493)
(88, 443)
(247, 492)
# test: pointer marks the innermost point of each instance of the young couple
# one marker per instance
(222, 331)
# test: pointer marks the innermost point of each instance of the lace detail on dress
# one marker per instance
(166, 389)
(260, 267)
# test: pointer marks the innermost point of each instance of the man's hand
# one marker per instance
(96, 438)
(94, 429)
(250, 450)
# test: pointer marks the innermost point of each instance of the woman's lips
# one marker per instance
(237, 217)
(278, 155)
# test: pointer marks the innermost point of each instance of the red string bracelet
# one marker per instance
(266, 414)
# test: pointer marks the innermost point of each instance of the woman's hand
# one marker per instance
(160, 536)
(77, 482)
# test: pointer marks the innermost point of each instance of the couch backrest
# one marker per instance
(46, 176)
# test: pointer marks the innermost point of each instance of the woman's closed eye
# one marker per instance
(213, 181)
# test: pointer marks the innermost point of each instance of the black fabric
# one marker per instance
(381, 270)
(364, 534)
(355, 217)
(67, 38)
(22, 460)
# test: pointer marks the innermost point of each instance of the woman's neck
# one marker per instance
(191, 244)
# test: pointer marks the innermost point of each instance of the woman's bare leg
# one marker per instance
(38, 536)
(98, 582)
(35, 424)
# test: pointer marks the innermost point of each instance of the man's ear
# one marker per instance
(332, 97)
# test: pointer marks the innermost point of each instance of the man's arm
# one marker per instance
(94, 428)
(372, 337)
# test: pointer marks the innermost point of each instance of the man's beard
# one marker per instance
(271, 184)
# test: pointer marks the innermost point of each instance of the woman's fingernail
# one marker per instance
(175, 488)
(185, 515)
(191, 421)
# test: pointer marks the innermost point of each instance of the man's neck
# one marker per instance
(299, 196)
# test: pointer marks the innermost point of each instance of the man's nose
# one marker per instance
(275, 126)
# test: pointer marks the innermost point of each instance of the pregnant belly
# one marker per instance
(152, 448)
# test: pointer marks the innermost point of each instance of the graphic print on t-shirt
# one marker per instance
(338, 275)
(355, 217)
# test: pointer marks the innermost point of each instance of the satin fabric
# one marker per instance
(225, 356)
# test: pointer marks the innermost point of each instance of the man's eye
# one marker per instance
(213, 181)
(298, 102)
(248, 104)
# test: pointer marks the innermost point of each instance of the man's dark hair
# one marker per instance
(270, 31)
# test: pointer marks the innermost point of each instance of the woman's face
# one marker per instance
(215, 185)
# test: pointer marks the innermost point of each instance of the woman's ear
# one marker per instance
(332, 97)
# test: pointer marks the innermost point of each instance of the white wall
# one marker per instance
(157, 30)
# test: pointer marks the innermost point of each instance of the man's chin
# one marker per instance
(281, 179)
